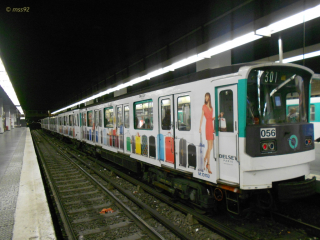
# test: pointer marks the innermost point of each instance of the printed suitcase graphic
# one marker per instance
(116, 141)
(121, 141)
(138, 145)
(192, 156)
(128, 144)
(109, 140)
(133, 144)
(200, 158)
(183, 152)
(169, 149)
(152, 147)
(160, 149)
(144, 145)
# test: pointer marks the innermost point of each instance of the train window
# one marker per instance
(96, 118)
(84, 119)
(226, 110)
(119, 116)
(126, 116)
(90, 118)
(100, 118)
(312, 113)
(70, 120)
(143, 114)
(272, 92)
(184, 113)
(108, 117)
(166, 114)
(74, 120)
(292, 111)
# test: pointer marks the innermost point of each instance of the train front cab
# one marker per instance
(278, 146)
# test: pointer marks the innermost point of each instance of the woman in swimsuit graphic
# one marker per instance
(207, 111)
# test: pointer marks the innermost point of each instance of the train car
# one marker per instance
(45, 123)
(218, 134)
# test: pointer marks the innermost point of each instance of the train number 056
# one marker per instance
(268, 133)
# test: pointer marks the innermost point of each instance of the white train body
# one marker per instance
(254, 117)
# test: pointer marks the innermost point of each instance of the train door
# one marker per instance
(76, 126)
(183, 136)
(119, 138)
(96, 127)
(165, 138)
(126, 133)
(228, 133)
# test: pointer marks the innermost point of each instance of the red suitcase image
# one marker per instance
(169, 142)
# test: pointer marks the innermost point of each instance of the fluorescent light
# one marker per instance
(250, 37)
(229, 45)
(5, 83)
(291, 21)
(300, 57)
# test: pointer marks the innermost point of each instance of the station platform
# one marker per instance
(315, 166)
(24, 211)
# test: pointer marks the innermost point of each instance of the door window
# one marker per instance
(184, 113)
(126, 116)
(119, 116)
(226, 111)
(166, 114)
(90, 118)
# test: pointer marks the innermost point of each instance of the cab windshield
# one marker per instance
(277, 95)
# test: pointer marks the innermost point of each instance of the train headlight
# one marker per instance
(271, 145)
(308, 141)
(268, 146)
(265, 146)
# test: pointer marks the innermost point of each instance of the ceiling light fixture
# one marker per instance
(291, 21)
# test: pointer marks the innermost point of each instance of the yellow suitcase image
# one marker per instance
(138, 145)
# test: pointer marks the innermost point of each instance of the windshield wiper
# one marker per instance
(282, 84)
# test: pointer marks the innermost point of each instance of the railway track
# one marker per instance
(88, 209)
(200, 226)
(164, 209)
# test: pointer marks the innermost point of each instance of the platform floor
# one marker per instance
(24, 211)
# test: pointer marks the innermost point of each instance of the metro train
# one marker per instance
(235, 135)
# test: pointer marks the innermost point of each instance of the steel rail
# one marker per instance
(65, 220)
(211, 223)
(152, 233)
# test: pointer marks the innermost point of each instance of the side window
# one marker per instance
(226, 109)
(84, 115)
(143, 115)
(312, 113)
(119, 116)
(166, 114)
(90, 118)
(96, 118)
(108, 117)
(126, 117)
(70, 120)
(292, 103)
(100, 118)
(184, 113)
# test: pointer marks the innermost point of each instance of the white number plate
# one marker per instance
(268, 133)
